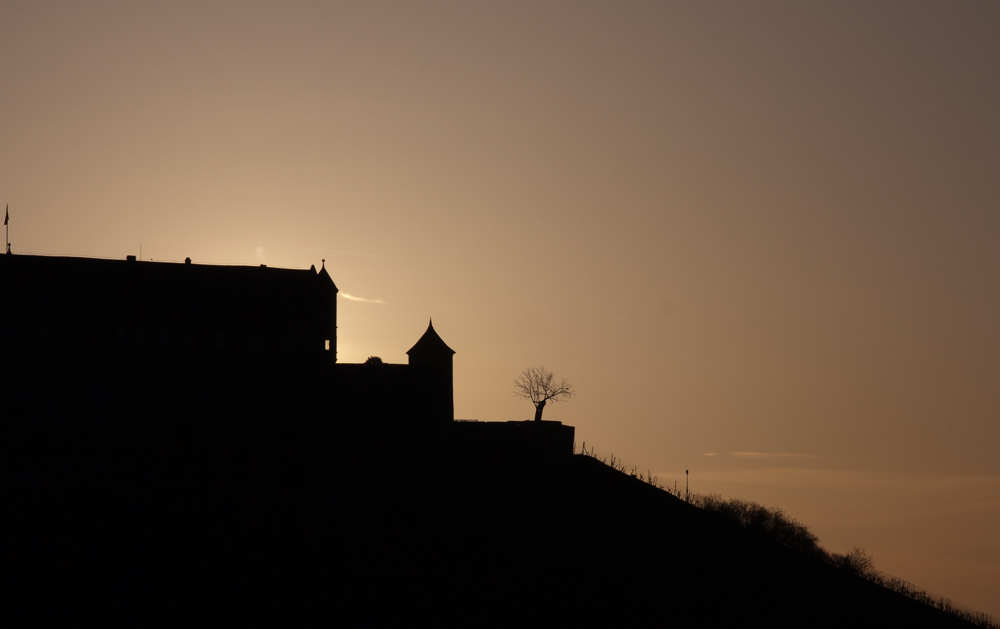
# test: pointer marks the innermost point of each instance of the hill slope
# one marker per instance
(177, 521)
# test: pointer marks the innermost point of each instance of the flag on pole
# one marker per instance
(7, 215)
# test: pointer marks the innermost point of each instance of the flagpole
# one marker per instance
(6, 220)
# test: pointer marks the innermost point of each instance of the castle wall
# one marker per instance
(528, 440)
(166, 312)
(85, 338)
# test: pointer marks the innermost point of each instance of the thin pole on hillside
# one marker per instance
(687, 486)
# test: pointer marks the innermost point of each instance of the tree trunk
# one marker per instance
(538, 410)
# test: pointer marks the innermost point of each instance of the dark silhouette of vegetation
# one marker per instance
(373, 360)
(538, 385)
(900, 586)
(857, 561)
(769, 522)
(774, 525)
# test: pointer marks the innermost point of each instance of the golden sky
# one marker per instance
(767, 230)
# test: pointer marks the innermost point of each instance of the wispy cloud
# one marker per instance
(858, 497)
(361, 299)
(772, 455)
(709, 454)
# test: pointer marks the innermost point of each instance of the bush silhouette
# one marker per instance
(769, 522)
(857, 561)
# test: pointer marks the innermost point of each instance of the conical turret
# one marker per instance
(430, 350)
(431, 365)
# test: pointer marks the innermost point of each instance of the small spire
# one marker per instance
(324, 263)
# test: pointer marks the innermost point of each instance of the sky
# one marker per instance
(760, 239)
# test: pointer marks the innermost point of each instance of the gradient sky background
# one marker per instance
(767, 230)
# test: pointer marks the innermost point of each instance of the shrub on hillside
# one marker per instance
(769, 522)
(857, 561)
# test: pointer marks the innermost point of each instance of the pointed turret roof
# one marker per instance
(324, 274)
(430, 344)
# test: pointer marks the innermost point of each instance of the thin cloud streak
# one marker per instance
(873, 498)
(773, 455)
(361, 299)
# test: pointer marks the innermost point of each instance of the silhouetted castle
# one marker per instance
(118, 309)
(150, 331)
(84, 337)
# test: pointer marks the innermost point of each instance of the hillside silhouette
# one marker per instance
(299, 524)
(180, 441)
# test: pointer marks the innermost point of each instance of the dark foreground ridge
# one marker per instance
(297, 523)
(179, 442)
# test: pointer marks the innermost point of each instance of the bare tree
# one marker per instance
(538, 385)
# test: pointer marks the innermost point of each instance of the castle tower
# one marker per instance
(328, 308)
(430, 362)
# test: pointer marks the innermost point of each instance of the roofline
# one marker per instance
(180, 262)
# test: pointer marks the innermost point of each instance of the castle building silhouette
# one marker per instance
(85, 339)
(104, 319)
